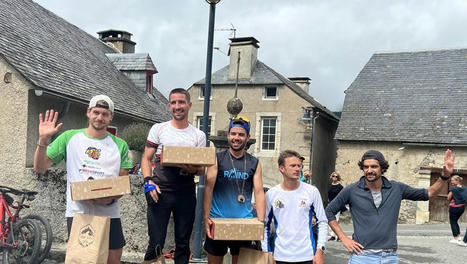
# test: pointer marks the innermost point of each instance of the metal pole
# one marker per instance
(198, 228)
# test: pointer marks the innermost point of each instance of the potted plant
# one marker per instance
(135, 136)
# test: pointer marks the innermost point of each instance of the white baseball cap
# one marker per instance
(101, 97)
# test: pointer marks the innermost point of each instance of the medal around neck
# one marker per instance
(241, 198)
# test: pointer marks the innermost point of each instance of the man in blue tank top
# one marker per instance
(230, 184)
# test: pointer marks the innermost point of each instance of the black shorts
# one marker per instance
(116, 240)
(301, 262)
(219, 247)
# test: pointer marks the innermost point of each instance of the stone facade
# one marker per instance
(14, 113)
(291, 132)
(404, 166)
(51, 201)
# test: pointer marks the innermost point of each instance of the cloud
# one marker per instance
(328, 41)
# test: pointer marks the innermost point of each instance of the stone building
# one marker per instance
(282, 113)
(411, 107)
(46, 62)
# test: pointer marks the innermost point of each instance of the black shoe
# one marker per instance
(332, 238)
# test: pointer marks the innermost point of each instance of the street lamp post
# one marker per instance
(198, 228)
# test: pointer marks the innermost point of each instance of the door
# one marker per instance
(439, 205)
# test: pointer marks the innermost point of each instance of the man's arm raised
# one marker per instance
(47, 128)
(448, 169)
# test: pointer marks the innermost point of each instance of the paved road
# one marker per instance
(417, 244)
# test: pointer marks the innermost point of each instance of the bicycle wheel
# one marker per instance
(46, 235)
(26, 234)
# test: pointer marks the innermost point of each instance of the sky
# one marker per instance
(328, 41)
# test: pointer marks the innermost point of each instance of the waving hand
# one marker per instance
(48, 124)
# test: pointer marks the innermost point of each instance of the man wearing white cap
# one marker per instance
(89, 152)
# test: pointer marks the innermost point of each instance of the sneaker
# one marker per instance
(454, 241)
(461, 243)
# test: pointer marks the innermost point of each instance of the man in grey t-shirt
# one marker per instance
(374, 204)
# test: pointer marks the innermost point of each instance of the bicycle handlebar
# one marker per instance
(5, 189)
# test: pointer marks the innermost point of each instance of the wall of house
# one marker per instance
(404, 166)
(291, 131)
(13, 131)
(137, 77)
(324, 154)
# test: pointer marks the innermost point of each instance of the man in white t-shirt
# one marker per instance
(291, 206)
(89, 152)
(171, 189)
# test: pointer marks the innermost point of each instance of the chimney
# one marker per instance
(303, 82)
(248, 50)
(119, 39)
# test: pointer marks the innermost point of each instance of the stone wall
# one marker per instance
(14, 120)
(51, 203)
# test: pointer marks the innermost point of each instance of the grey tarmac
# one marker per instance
(421, 244)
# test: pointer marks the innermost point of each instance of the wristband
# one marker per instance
(40, 145)
(149, 187)
(146, 179)
(445, 178)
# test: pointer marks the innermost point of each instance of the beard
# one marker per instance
(238, 147)
(376, 177)
(178, 118)
(102, 126)
(178, 115)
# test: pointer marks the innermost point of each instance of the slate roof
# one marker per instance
(132, 61)
(65, 61)
(413, 97)
(264, 75)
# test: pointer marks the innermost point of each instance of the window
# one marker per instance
(149, 82)
(270, 92)
(201, 93)
(268, 133)
(199, 123)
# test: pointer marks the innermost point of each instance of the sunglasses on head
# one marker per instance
(242, 118)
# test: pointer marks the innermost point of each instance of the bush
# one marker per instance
(135, 135)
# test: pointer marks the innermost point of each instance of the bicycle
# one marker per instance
(19, 238)
(46, 229)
